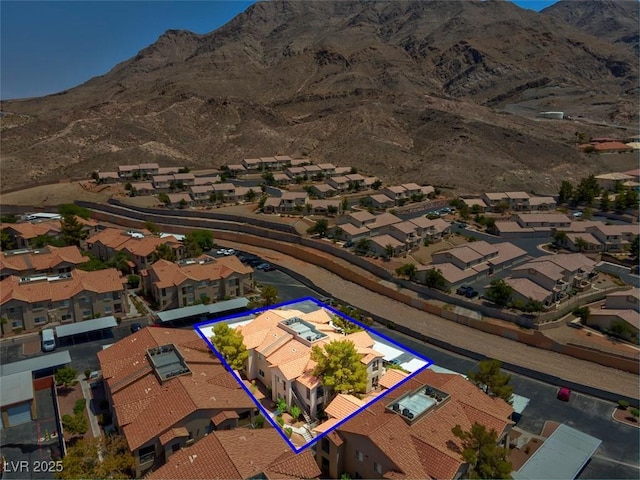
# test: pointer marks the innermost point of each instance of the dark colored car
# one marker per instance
(268, 268)
(135, 327)
(463, 290)
(471, 293)
(254, 262)
(348, 244)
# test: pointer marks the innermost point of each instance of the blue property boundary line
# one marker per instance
(320, 304)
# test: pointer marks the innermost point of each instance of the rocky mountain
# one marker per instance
(613, 20)
(441, 92)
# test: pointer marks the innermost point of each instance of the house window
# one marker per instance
(40, 320)
(359, 456)
(164, 292)
(37, 306)
(65, 303)
(261, 373)
(16, 324)
(107, 296)
(377, 467)
(12, 309)
(319, 392)
(325, 445)
(65, 317)
(107, 309)
(308, 394)
(86, 313)
(175, 447)
(376, 364)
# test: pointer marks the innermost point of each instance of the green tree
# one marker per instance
(581, 244)
(229, 342)
(82, 459)
(182, 203)
(533, 306)
(133, 281)
(262, 201)
(332, 209)
(620, 203)
(191, 247)
(73, 209)
(499, 292)
(44, 240)
(492, 380)
(408, 270)
(184, 170)
(269, 295)
(622, 329)
(481, 451)
(605, 201)
(6, 241)
(164, 252)
(8, 218)
(388, 251)
(344, 203)
(120, 261)
(309, 208)
(634, 413)
(634, 247)
(587, 213)
(464, 213)
(151, 226)
(345, 325)
(128, 186)
(72, 230)
(66, 377)
(164, 198)
(362, 246)
(250, 196)
(566, 192)
(339, 367)
(203, 238)
(75, 424)
(582, 313)
(587, 190)
(320, 228)
(298, 209)
(95, 176)
(376, 185)
(559, 238)
(295, 412)
(268, 177)
(93, 264)
(433, 278)
(631, 199)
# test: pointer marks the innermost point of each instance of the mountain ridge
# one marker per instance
(281, 75)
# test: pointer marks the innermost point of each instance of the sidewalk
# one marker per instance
(492, 346)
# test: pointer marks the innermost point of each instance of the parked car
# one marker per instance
(471, 293)
(348, 244)
(230, 251)
(221, 252)
(463, 290)
(268, 268)
(263, 266)
(564, 394)
(135, 327)
(254, 262)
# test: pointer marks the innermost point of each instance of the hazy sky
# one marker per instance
(49, 46)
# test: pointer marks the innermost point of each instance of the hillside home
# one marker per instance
(201, 193)
(226, 191)
(236, 170)
(395, 192)
(473, 261)
(252, 164)
(329, 169)
(612, 181)
(281, 179)
(180, 200)
(295, 172)
(325, 207)
(340, 183)
(108, 177)
(279, 344)
(207, 180)
(49, 260)
(238, 455)
(168, 391)
(407, 434)
(542, 203)
(379, 201)
(550, 278)
(621, 308)
(31, 302)
(356, 180)
(143, 188)
(475, 204)
(432, 230)
(379, 245)
(269, 163)
(412, 189)
(300, 162)
(404, 232)
(322, 190)
(168, 170)
(183, 283)
(282, 161)
(23, 234)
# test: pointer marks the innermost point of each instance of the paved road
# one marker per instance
(562, 366)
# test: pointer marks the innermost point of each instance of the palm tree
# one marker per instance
(388, 250)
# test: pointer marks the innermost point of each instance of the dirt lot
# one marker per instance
(55, 194)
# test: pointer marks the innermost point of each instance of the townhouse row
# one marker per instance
(386, 230)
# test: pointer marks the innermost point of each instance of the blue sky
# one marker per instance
(49, 46)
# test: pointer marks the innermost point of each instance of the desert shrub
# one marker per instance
(79, 407)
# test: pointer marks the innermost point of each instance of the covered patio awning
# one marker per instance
(86, 326)
(562, 456)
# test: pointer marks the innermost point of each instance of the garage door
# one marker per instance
(19, 414)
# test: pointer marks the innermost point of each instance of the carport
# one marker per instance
(562, 456)
(202, 312)
(86, 327)
(40, 366)
(17, 404)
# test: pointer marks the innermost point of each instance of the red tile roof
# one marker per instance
(169, 274)
(103, 281)
(427, 448)
(239, 454)
(42, 259)
(145, 407)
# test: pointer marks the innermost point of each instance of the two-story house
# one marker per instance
(167, 391)
(407, 434)
(180, 284)
(47, 260)
(33, 301)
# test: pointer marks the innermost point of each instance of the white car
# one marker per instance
(221, 252)
(230, 251)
